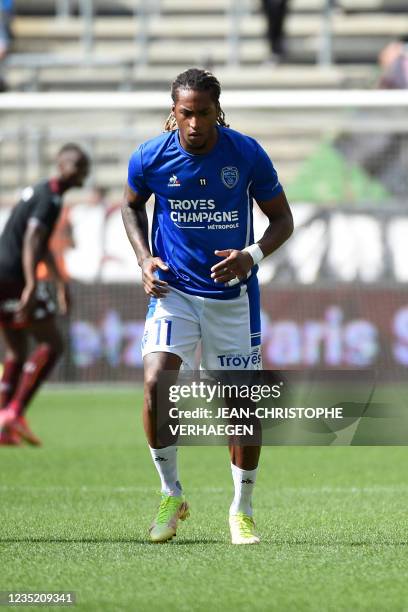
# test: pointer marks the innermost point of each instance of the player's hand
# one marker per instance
(235, 264)
(152, 285)
(26, 305)
(63, 298)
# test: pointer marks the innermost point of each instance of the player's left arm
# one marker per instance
(280, 226)
(237, 264)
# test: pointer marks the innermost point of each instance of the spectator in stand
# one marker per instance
(382, 155)
(275, 12)
(393, 61)
(6, 15)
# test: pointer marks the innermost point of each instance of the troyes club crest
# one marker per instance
(230, 176)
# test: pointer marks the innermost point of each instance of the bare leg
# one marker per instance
(154, 364)
(245, 457)
(244, 464)
(39, 364)
(245, 454)
(156, 419)
(15, 355)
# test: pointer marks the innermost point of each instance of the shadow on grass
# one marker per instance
(47, 540)
(192, 542)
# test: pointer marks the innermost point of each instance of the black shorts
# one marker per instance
(10, 292)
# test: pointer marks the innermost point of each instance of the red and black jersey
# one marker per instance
(43, 203)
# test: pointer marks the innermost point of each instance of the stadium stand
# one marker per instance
(60, 47)
(143, 41)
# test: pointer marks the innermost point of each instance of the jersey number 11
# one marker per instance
(163, 329)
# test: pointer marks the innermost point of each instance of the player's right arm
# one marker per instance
(137, 229)
(33, 245)
(43, 216)
(62, 291)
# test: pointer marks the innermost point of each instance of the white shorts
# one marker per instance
(229, 330)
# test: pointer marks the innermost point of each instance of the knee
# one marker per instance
(160, 371)
(16, 355)
(151, 385)
(52, 350)
(58, 347)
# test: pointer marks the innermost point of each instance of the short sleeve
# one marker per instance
(136, 178)
(265, 182)
(45, 210)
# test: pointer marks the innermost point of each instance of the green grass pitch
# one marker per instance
(74, 516)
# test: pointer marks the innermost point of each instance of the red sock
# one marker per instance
(35, 371)
(9, 379)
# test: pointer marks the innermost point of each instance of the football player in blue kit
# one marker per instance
(201, 271)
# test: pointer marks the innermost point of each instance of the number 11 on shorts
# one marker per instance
(163, 329)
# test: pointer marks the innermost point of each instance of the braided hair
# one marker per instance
(197, 80)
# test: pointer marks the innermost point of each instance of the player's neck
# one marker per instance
(55, 185)
(58, 185)
(206, 148)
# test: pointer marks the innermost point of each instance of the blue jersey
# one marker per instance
(202, 203)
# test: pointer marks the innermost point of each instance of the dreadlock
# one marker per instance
(197, 80)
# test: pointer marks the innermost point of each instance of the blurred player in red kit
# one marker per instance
(26, 308)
